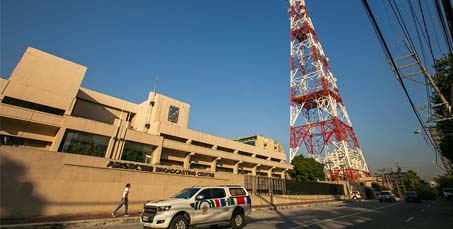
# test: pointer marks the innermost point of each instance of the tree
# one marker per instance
(444, 80)
(307, 169)
(445, 181)
(413, 182)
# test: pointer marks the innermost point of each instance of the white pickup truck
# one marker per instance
(199, 206)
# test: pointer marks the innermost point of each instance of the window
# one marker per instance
(186, 193)
(206, 194)
(84, 143)
(134, 151)
(237, 192)
(173, 114)
(32, 106)
(218, 193)
(18, 141)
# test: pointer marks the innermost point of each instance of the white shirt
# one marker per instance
(125, 192)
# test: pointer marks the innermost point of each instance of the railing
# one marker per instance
(272, 185)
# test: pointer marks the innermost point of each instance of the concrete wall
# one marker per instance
(279, 200)
(37, 182)
(45, 79)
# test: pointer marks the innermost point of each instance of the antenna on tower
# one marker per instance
(155, 84)
(318, 117)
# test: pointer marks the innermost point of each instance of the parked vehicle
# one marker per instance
(355, 195)
(386, 195)
(447, 193)
(411, 196)
(199, 206)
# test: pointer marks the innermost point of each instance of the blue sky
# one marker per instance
(228, 59)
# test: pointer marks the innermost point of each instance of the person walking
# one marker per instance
(124, 200)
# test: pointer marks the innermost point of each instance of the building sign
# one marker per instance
(130, 166)
(179, 171)
(166, 170)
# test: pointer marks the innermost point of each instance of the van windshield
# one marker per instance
(186, 193)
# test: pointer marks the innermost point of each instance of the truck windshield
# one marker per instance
(186, 193)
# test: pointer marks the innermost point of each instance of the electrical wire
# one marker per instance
(426, 31)
(416, 22)
(390, 57)
(443, 25)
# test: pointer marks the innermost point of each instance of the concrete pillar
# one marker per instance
(236, 167)
(189, 141)
(269, 172)
(109, 152)
(155, 160)
(236, 152)
(186, 164)
(214, 164)
(283, 174)
(58, 138)
(69, 110)
(214, 147)
(254, 169)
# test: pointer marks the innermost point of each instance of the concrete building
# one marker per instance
(43, 106)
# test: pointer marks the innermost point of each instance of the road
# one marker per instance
(367, 214)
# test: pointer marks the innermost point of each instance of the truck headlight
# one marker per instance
(163, 208)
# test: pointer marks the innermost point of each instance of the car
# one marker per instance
(199, 206)
(411, 196)
(447, 193)
(355, 195)
(386, 195)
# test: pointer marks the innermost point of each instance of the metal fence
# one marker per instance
(277, 186)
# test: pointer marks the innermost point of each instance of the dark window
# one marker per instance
(32, 106)
(173, 114)
(206, 194)
(222, 169)
(18, 141)
(218, 193)
(84, 143)
(134, 151)
(186, 193)
(237, 192)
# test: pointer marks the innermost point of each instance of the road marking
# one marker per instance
(344, 216)
(408, 220)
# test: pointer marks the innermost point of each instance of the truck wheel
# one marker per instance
(237, 219)
(179, 222)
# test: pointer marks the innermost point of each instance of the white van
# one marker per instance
(199, 206)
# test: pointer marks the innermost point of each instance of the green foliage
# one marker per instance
(445, 181)
(444, 80)
(413, 182)
(307, 169)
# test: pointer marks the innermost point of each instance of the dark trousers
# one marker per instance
(125, 202)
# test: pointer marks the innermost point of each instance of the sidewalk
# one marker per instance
(72, 221)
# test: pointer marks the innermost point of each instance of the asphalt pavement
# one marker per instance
(367, 214)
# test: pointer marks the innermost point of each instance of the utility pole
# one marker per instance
(400, 178)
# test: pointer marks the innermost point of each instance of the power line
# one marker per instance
(392, 61)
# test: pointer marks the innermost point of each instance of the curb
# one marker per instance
(76, 223)
(316, 204)
(115, 221)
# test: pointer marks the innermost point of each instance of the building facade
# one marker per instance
(44, 106)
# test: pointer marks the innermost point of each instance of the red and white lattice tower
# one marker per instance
(318, 118)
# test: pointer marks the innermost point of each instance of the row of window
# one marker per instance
(83, 143)
(223, 149)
